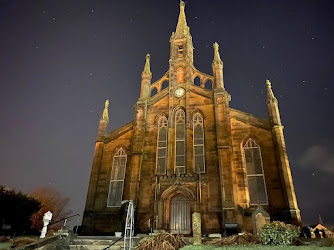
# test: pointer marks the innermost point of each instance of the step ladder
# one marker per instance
(129, 226)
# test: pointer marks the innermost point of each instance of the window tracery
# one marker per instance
(180, 143)
(117, 179)
(199, 152)
(255, 176)
(162, 146)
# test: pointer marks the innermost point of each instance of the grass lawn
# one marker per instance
(5, 245)
(255, 247)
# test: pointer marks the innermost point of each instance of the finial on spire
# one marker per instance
(270, 93)
(105, 111)
(147, 68)
(216, 56)
(268, 83)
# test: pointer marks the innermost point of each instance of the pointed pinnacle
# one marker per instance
(105, 111)
(270, 93)
(147, 68)
(182, 28)
(216, 56)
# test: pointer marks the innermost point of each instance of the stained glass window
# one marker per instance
(179, 74)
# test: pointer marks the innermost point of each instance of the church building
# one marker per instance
(188, 151)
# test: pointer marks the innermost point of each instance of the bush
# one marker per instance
(279, 233)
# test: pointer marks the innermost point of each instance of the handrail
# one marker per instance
(76, 230)
(124, 235)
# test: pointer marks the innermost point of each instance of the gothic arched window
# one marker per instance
(198, 131)
(179, 74)
(117, 179)
(255, 176)
(162, 146)
(180, 142)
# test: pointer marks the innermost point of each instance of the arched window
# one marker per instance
(162, 146)
(180, 142)
(179, 74)
(198, 131)
(117, 179)
(256, 182)
(197, 81)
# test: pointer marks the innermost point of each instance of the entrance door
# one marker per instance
(180, 215)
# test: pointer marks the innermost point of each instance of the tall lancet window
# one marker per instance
(255, 176)
(198, 131)
(162, 146)
(117, 179)
(179, 74)
(180, 142)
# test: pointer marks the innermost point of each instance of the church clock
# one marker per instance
(179, 92)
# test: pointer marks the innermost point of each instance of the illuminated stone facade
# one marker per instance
(187, 151)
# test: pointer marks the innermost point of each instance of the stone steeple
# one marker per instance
(146, 77)
(181, 45)
(217, 68)
(182, 29)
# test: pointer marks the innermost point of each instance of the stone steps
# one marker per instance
(100, 242)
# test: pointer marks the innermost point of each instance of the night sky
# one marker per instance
(60, 61)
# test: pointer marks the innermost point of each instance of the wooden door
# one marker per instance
(180, 215)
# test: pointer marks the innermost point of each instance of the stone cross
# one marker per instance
(197, 230)
(46, 220)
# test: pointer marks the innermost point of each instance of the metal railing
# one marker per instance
(124, 235)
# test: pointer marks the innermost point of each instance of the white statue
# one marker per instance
(46, 220)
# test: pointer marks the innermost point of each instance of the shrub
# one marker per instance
(279, 233)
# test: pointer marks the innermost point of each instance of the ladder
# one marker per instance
(129, 226)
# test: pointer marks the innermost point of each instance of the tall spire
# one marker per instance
(270, 94)
(216, 57)
(105, 116)
(147, 68)
(182, 28)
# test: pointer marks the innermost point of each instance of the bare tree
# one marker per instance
(51, 200)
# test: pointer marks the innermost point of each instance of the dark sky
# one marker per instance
(60, 60)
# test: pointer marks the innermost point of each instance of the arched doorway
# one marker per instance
(180, 214)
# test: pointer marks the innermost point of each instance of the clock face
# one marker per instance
(179, 92)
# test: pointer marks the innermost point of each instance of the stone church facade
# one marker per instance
(188, 151)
